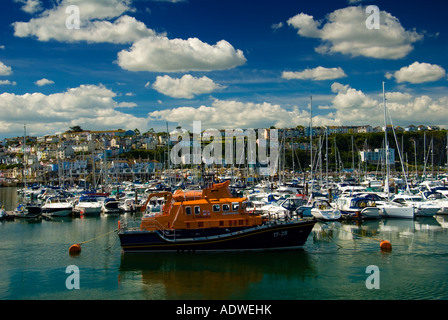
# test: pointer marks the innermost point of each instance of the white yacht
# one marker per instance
(422, 208)
(58, 207)
(88, 205)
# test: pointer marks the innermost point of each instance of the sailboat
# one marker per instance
(388, 208)
(26, 211)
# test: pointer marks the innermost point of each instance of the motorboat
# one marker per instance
(88, 205)
(57, 207)
(422, 208)
(216, 221)
(358, 208)
(439, 199)
(5, 215)
(111, 206)
(285, 208)
(128, 204)
(158, 187)
(130, 201)
(391, 209)
(322, 210)
(27, 212)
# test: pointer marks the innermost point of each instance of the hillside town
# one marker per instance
(80, 154)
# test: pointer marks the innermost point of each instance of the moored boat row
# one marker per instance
(220, 218)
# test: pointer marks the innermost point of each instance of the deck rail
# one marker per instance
(133, 224)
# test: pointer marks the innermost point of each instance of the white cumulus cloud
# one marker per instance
(90, 106)
(160, 54)
(350, 98)
(186, 87)
(5, 70)
(94, 24)
(319, 73)
(43, 82)
(30, 6)
(231, 114)
(419, 73)
(344, 31)
(7, 82)
(105, 21)
(355, 107)
(348, 106)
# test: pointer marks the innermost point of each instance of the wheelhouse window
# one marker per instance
(216, 208)
(235, 206)
(287, 205)
(187, 210)
(400, 201)
(225, 207)
(197, 210)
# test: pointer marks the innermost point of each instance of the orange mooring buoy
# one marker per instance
(385, 245)
(74, 249)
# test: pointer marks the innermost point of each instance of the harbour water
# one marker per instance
(334, 264)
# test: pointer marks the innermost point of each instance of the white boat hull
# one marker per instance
(88, 210)
(443, 210)
(57, 212)
(397, 212)
(111, 209)
(371, 213)
(57, 208)
(326, 214)
(426, 211)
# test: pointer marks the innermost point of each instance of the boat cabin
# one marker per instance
(212, 207)
(354, 203)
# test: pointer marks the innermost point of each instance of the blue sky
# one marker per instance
(229, 64)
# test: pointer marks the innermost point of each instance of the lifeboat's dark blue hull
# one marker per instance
(274, 236)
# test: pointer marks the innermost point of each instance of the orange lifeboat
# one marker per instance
(210, 219)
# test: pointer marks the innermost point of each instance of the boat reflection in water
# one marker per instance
(331, 266)
(216, 276)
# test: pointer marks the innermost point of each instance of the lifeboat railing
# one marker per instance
(167, 234)
(134, 225)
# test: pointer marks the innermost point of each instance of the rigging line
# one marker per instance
(99, 236)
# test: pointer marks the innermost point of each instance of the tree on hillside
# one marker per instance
(76, 129)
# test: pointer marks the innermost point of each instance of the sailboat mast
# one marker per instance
(24, 157)
(311, 138)
(386, 184)
(326, 156)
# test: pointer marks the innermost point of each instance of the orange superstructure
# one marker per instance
(213, 207)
